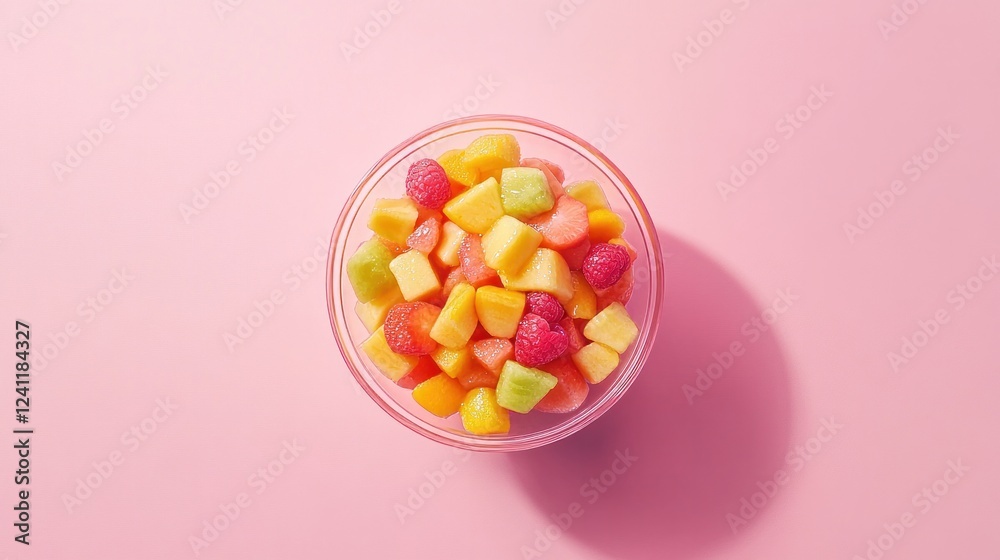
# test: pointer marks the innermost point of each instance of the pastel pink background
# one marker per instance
(679, 134)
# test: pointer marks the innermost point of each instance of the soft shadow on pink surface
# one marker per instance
(695, 461)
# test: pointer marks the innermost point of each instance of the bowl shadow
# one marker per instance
(693, 457)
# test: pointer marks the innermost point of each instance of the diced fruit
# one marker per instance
(474, 267)
(415, 275)
(373, 313)
(499, 310)
(455, 167)
(457, 321)
(395, 248)
(451, 241)
(574, 255)
(482, 415)
(621, 292)
(476, 209)
(612, 327)
(453, 362)
(440, 395)
(455, 277)
(392, 365)
(408, 326)
(565, 226)
(425, 369)
(545, 272)
(555, 183)
(605, 225)
(509, 244)
(369, 272)
(480, 333)
(428, 184)
(393, 219)
(525, 192)
(589, 193)
(545, 306)
(628, 247)
(576, 340)
(537, 342)
(520, 388)
(569, 393)
(425, 237)
(605, 264)
(596, 362)
(555, 170)
(583, 304)
(492, 151)
(493, 352)
(478, 377)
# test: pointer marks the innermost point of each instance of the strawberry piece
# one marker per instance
(455, 277)
(621, 291)
(426, 369)
(565, 226)
(569, 393)
(576, 340)
(427, 184)
(545, 306)
(554, 179)
(470, 255)
(605, 264)
(574, 255)
(537, 343)
(493, 353)
(478, 377)
(408, 326)
(425, 237)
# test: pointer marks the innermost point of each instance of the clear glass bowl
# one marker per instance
(580, 161)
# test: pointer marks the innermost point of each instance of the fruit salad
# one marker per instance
(492, 287)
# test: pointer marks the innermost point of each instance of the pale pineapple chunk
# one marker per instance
(394, 219)
(392, 365)
(478, 208)
(457, 321)
(509, 244)
(415, 275)
(546, 271)
(612, 327)
(596, 362)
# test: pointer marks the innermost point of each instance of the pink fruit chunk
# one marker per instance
(549, 169)
(425, 237)
(537, 343)
(455, 277)
(565, 226)
(426, 369)
(470, 255)
(427, 184)
(576, 340)
(407, 328)
(493, 353)
(570, 391)
(574, 255)
(545, 306)
(605, 264)
(621, 291)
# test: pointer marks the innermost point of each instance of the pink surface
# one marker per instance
(829, 439)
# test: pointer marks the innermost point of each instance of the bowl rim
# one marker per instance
(575, 423)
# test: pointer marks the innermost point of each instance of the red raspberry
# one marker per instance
(427, 184)
(605, 264)
(545, 306)
(537, 343)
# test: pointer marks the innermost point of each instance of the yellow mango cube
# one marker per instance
(373, 313)
(583, 304)
(451, 239)
(482, 415)
(415, 275)
(457, 321)
(456, 169)
(499, 310)
(612, 327)
(546, 271)
(454, 361)
(589, 193)
(509, 244)
(440, 395)
(392, 365)
(478, 208)
(595, 362)
(605, 225)
(394, 219)
(493, 151)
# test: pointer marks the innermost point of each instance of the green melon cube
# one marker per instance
(525, 192)
(520, 388)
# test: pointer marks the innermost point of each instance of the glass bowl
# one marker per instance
(580, 160)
